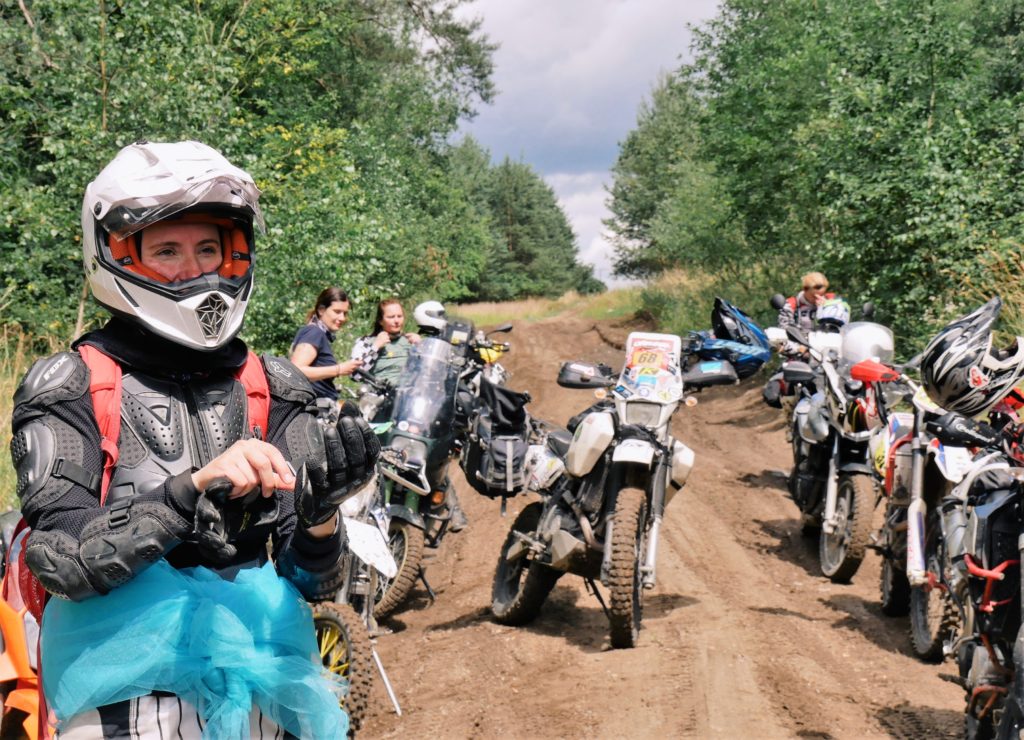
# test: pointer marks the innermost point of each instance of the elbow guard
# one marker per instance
(113, 548)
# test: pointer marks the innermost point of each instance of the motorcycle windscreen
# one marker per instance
(425, 398)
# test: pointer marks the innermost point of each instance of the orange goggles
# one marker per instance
(236, 254)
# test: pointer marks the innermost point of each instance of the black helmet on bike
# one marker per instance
(960, 369)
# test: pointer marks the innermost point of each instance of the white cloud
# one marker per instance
(582, 196)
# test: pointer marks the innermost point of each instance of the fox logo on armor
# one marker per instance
(278, 369)
(54, 367)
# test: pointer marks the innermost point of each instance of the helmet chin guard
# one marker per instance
(184, 182)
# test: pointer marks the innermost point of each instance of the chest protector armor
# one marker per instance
(168, 428)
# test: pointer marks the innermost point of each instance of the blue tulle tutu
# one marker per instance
(221, 645)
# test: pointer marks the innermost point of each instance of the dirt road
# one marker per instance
(742, 637)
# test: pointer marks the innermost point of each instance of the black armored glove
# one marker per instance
(220, 520)
(352, 451)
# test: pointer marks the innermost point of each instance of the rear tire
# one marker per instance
(346, 651)
(406, 543)
(521, 586)
(629, 531)
(841, 552)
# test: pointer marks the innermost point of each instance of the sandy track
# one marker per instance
(742, 637)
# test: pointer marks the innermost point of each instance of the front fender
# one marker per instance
(857, 467)
(398, 511)
(636, 451)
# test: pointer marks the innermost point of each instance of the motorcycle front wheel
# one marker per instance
(629, 534)
(346, 652)
(840, 552)
(521, 585)
(933, 613)
(405, 541)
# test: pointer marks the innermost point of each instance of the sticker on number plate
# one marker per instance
(370, 546)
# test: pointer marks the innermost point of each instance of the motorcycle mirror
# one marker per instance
(777, 301)
(794, 333)
(500, 329)
(914, 362)
(868, 310)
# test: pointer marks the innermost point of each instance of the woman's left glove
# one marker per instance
(352, 450)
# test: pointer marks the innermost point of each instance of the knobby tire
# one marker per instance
(521, 586)
(841, 553)
(625, 608)
(406, 543)
(346, 651)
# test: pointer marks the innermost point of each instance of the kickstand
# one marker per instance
(426, 585)
(592, 588)
(387, 683)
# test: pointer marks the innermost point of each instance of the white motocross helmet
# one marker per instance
(151, 182)
(430, 317)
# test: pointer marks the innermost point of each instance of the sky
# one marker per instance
(570, 76)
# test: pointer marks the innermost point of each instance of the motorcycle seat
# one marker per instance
(559, 441)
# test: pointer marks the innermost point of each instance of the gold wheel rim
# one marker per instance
(335, 652)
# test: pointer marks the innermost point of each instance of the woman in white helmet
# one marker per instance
(154, 537)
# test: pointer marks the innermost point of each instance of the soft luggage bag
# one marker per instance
(495, 452)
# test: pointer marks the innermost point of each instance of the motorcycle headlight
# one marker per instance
(642, 413)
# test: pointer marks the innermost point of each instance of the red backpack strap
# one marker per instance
(253, 378)
(105, 390)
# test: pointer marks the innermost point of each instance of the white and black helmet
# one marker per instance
(430, 317)
(962, 372)
(151, 182)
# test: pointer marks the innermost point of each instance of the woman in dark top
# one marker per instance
(311, 348)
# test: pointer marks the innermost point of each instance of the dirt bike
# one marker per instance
(604, 488)
(983, 525)
(833, 481)
(917, 471)
(346, 626)
(427, 427)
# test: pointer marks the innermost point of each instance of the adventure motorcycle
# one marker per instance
(833, 480)
(600, 518)
(983, 524)
(430, 411)
(917, 471)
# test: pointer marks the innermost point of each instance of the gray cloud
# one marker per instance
(570, 76)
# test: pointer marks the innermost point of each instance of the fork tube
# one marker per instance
(916, 565)
(657, 511)
(831, 489)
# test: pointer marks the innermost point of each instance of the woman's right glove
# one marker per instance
(352, 450)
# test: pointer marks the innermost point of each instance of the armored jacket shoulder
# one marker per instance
(286, 382)
(60, 377)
